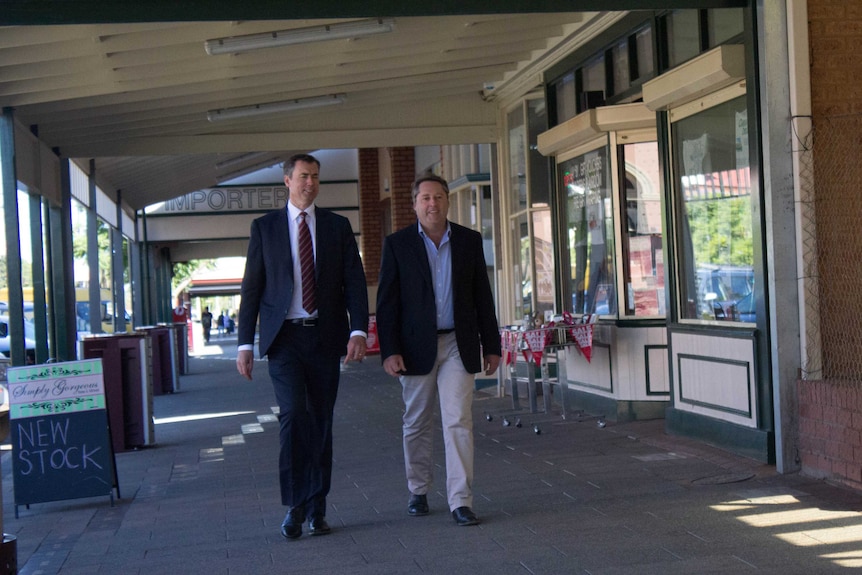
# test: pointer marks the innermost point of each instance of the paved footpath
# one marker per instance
(575, 498)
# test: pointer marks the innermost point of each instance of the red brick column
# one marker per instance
(370, 213)
(830, 410)
(403, 173)
(830, 431)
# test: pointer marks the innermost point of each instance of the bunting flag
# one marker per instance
(582, 335)
(532, 343)
(537, 339)
(508, 341)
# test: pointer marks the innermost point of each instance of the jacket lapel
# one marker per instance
(458, 261)
(281, 233)
(421, 255)
(322, 229)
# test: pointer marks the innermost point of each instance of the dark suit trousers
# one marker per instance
(305, 379)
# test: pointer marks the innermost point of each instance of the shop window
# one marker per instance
(724, 25)
(683, 36)
(586, 182)
(643, 257)
(593, 84)
(643, 60)
(543, 247)
(523, 268)
(611, 76)
(128, 293)
(565, 98)
(517, 160)
(487, 212)
(714, 213)
(537, 118)
(529, 210)
(620, 67)
(688, 33)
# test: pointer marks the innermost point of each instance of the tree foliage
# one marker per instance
(183, 271)
(721, 231)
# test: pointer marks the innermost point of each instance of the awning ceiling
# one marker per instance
(129, 84)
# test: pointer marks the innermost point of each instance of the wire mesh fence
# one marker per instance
(830, 168)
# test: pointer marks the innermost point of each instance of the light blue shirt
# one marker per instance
(440, 262)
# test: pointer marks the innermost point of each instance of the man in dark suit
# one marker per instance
(435, 322)
(308, 318)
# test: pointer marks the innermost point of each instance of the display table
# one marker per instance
(537, 346)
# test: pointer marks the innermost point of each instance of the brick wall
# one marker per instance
(370, 216)
(830, 415)
(835, 29)
(830, 431)
(403, 173)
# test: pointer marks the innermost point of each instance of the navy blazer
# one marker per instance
(267, 285)
(406, 309)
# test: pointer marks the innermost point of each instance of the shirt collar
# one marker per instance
(293, 212)
(447, 233)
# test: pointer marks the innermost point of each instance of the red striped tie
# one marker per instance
(306, 263)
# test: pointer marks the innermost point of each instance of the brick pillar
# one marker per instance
(370, 213)
(403, 174)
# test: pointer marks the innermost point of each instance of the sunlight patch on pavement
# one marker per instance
(233, 440)
(198, 417)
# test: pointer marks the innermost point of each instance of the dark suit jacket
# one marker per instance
(267, 286)
(407, 313)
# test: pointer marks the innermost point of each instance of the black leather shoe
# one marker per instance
(418, 505)
(318, 525)
(291, 527)
(464, 516)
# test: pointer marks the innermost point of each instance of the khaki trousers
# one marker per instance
(453, 385)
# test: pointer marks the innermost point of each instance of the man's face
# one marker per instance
(303, 184)
(431, 206)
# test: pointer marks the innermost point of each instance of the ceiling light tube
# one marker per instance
(355, 29)
(273, 107)
(220, 178)
(237, 160)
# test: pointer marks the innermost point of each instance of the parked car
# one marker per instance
(746, 310)
(720, 289)
(29, 338)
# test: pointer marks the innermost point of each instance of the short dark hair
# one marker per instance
(429, 177)
(291, 162)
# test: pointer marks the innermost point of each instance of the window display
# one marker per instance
(589, 227)
(643, 256)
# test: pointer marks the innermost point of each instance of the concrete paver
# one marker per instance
(577, 498)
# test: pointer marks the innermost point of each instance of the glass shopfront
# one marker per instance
(642, 253)
(714, 214)
(586, 182)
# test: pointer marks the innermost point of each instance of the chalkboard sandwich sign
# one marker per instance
(61, 445)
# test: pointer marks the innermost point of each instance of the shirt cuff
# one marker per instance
(245, 347)
(358, 332)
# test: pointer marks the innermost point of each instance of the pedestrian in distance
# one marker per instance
(207, 323)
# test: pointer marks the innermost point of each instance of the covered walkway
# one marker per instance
(575, 498)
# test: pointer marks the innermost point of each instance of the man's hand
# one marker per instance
(245, 362)
(394, 365)
(356, 348)
(492, 362)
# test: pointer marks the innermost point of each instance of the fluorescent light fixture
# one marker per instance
(237, 160)
(355, 29)
(247, 170)
(274, 107)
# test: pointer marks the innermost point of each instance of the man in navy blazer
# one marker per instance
(437, 328)
(303, 346)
